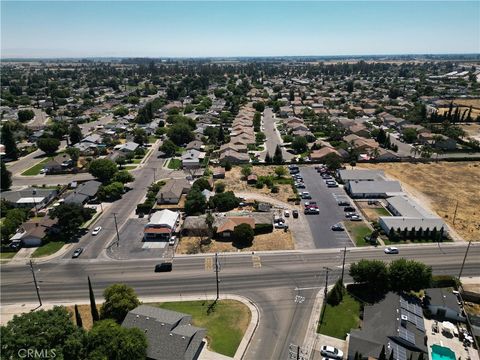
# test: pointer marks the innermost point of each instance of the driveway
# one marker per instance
(403, 148)
(330, 213)
(272, 136)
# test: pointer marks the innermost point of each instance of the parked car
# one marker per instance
(332, 185)
(300, 185)
(172, 240)
(348, 215)
(312, 210)
(349, 209)
(281, 225)
(96, 230)
(337, 227)
(77, 253)
(286, 213)
(343, 203)
(164, 267)
(295, 214)
(355, 217)
(310, 203)
(306, 195)
(391, 250)
(331, 352)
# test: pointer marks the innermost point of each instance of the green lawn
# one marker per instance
(137, 161)
(339, 320)
(358, 230)
(35, 169)
(48, 249)
(129, 167)
(225, 326)
(152, 139)
(175, 164)
(382, 212)
(7, 255)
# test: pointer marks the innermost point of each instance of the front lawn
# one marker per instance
(358, 230)
(48, 249)
(225, 325)
(339, 320)
(35, 169)
(7, 255)
(152, 139)
(175, 164)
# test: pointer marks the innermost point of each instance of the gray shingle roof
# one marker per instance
(443, 298)
(375, 187)
(347, 175)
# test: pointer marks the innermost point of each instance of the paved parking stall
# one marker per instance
(330, 213)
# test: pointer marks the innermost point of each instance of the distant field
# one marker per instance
(439, 186)
(464, 104)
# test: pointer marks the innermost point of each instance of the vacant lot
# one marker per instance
(439, 186)
(276, 240)
(472, 130)
(234, 181)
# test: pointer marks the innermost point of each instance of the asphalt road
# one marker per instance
(330, 212)
(272, 136)
(283, 278)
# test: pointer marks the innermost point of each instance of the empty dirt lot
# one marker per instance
(439, 186)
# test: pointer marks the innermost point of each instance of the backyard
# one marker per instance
(427, 183)
(337, 321)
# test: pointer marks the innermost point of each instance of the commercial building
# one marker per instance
(161, 225)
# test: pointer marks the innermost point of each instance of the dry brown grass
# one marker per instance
(472, 130)
(233, 181)
(439, 186)
(276, 240)
(85, 314)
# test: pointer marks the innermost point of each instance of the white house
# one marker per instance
(161, 225)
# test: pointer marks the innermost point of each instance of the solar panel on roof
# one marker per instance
(414, 319)
(406, 335)
(413, 308)
(399, 352)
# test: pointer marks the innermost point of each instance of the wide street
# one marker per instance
(272, 136)
(283, 287)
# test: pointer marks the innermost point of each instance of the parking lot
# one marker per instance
(131, 244)
(330, 213)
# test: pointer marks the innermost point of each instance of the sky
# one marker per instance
(243, 28)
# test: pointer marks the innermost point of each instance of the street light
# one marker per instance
(34, 192)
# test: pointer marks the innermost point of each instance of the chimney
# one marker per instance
(404, 320)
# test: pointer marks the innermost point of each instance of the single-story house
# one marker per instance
(161, 225)
(195, 226)
(252, 179)
(170, 334)
(227, 225)
(232, 147)
(192, 158)
(443, 303)
(29, 197)
(171, 192)
(32, 231)
(234, 157)
(195, 145)
(395, 324)
(93, 139)
(59, 163)
(437, 141)
(360, 175)
(319, 155)
(127, 147)
(218, 173)
(373, 189)
(84, 192)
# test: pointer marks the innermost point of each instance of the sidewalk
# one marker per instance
(7, 313)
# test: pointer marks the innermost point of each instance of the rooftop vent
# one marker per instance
(171, 334)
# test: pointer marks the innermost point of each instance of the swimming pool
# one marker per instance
(442, 353)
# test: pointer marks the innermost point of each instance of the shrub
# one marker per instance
(441, 281)
(263, 229)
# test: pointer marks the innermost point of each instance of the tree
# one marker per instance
(373, 273)
(168, 147)
(227, 165)
(383, 355)
(51, 330)
(119, 300)
(243, 235)
(103, 169)
(299, 144)
(201, 184)
(120, 161)
(93, 305)
(219, 187)
(195, 203)
(225, 201)
(332, 161)
(409, 135)
(280, 171)
(120, 111)
(335, 295)
(48, 145)
(278, 156)
(25, 115)
(74, 154)
(180, 134)
(140, 136)
(109, 340)
(123, 177)
(268, 159)
(75, 134)
(78, 318)
(6, 177)
(246, 171)
(70, 216)
(406, 275)
(209, 220)
(111, 192)
(8, 140)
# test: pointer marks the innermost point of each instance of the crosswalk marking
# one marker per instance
(256, 261)
(208, 264)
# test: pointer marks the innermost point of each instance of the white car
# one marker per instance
(331, 352)
(286, 213)
(96, 230)
(391, 250)
(172, 240)
(43, 171)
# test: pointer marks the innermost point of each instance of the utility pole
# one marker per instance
(455, 213)
(116, 228)
(464, 258)
(343, 263)
(216, 275)
(35, 282)
(326, 283)
(154, 174)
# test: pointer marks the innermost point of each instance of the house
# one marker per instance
(227, 225)
(396, 324)
(161, 225)
(360, 175)
(360, 143)
(92, 139)
(373, 189)
(218, 173)
(234, 157)
(252, 179)
(319, 155)
(83, 193)
(437, 141)
(32, 231)
(29, 197)
(443, 303)
(171, 192)
(127, 147)
(192, 158)
(58, 163)
(170, 334)
(195, 226)
(195, 145)
(359, 129)
(230, 146)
